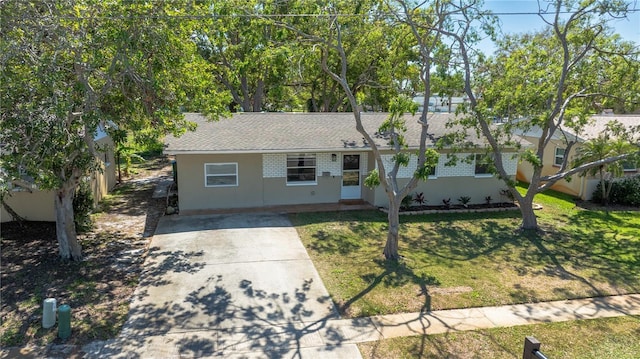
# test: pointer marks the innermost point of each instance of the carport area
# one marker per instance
(230, 285)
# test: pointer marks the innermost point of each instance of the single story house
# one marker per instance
(270, 159)
(38, 205)
(580, 186)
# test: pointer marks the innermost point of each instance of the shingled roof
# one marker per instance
(598, 124)
(592, 129)
(285, 132)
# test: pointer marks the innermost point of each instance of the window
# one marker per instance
(220, 174)
(106, 161)
(301, 168)
(432, 172)
(559, 156)
(629, 166)
(481, 166)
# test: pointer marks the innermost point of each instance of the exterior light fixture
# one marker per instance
(334, 157)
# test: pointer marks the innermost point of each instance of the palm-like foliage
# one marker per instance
(598, 149)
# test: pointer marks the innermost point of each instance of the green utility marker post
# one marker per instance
(64, 321)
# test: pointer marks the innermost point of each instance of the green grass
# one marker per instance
(10, 334)
(474, 259)
(587, 339)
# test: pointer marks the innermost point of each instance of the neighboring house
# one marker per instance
(440, 104)
(268, 159)
(36, 205)
(579, 186)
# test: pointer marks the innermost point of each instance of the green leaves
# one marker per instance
(373, 179)
(71, 66)
(613, 141)
(430, 163)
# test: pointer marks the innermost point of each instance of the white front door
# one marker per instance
(351, 177)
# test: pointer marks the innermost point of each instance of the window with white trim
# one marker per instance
(558, 156)
(221, 174)
(481, 166)
(301, 168)
(629, 166)
(432, 171)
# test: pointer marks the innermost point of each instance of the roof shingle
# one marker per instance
(281, 132)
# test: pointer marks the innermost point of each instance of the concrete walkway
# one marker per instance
(444, 321)
(336, 338)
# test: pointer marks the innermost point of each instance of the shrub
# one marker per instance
(446, 202)
(406, 202)
(625, 191)
(83, 206)
(419, 199)
(464, 200)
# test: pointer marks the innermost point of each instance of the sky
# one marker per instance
(628, 28)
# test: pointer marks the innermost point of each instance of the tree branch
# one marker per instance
(550, 180)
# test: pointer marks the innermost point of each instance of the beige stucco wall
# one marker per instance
(573, 186)
(252, 191)
(39, 205)
(261, 183)
(327, 190)
(578, 186)
(103, 180)
(32, 206)
(193, 195)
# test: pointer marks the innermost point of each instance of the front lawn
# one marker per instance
(587, 339)
(475, 259)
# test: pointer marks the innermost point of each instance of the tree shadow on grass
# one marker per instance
(360, 226)
(612, 221)
(394, 274)
(509, 342)
(459, 243)
(326, 242)
(592, 256)
(448, 345)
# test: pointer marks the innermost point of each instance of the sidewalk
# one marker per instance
(443, 321)
(311, 338)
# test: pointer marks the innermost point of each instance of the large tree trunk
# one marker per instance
(246, 96)
(529, 220)
(68, 245)
(603, 188)
(258, 96)
(391, 247)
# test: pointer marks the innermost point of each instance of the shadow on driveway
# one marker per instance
(239, 285)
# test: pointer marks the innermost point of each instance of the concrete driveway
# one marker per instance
(236, 285)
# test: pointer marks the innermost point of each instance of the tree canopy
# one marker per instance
(550, 82)
(69, 68)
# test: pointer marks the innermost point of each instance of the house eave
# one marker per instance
(292, 150)
(242, 152)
